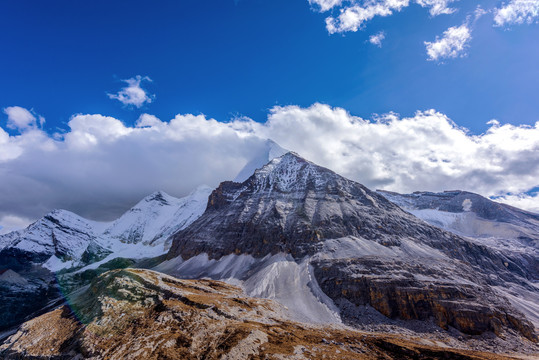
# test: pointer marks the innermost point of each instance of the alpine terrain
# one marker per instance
(290, 262)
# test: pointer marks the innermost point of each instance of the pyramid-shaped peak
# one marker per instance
(290, 161)
(291, 171)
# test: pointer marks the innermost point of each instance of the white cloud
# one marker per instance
(325, 5)
(376, 39)
(133, 94)
(353, 14)
(21, 119)
(452, 44)
(353, 17)
(517, 12)
(424, 152)
(101, 167)
(522, 201)
(437, 7)
(10, 223)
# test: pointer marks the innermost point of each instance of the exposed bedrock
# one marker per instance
(472, 308)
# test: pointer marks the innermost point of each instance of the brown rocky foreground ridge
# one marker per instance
(142, 314)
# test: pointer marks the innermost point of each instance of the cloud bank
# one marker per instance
(101, 167)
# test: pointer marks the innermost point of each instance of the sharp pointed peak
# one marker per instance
(288, 159)
(158, 196)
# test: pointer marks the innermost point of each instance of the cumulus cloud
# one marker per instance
(451, 44)
(427, 151)
(377, 39)
(133, 94)
(21, 119)
(147, 120)
(353, 17)
(101, 167)
(517, 12)
(353, 14)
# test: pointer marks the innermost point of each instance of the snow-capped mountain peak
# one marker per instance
(62, 239)
(157, 216)
(60, 233)
(288, 171)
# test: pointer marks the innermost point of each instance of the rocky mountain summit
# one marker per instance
(363, 251)
(141, 314)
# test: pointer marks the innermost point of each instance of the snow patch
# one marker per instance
(467, 205)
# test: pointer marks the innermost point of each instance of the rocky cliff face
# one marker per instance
(141, 314)
(411, 291)
(363, 249)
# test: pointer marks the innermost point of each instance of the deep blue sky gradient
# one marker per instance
(225, 59)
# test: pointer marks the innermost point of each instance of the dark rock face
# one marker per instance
(293, 206)
(19, 301)
(296, 207)
(400, 290)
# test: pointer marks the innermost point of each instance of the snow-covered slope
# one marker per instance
(158, 216)
(60, 233)
(63, 240)
(502, 227)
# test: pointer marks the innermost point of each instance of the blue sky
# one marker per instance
(104, 102)
(225, 58)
